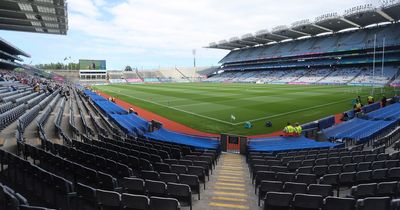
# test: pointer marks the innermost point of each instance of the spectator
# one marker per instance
(131, 110)
(358, 107)
(383, 101)
(298, 129)
(36, 88)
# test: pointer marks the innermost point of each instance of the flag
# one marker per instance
(233, 117)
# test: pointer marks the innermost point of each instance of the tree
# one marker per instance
(128, 68)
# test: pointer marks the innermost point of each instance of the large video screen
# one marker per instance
(92, 64)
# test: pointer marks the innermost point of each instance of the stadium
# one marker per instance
(299, 117)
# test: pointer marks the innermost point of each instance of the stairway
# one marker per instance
(358, 74)
(184, 76)
(138, 74)
(230, 186)
(329, 74)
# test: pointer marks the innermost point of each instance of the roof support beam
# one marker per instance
(278, 35)
(305, 34)
(250, 43)
(323, 28)
(350, 22)
(384, 15)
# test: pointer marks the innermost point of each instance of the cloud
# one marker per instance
(86, 7)
(142, 32)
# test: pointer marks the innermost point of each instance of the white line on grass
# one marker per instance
(229, 123)
(180, 110)
(291, 112)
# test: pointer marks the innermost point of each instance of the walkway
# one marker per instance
(230, 186)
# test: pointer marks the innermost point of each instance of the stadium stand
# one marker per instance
(340, 58)
(62, 173)
(66, 147)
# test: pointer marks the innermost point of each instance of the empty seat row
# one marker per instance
(200, 171)
(6, 106)
(294, 164)
(337, 160)
(284, 177)
(190, 179)
(299, 152)
(294, 188)
(181, 191)
(88, 198)
(75, 172)
(354, 178)
(389, 189)
(320, 170)
(182, 169)
(350, 167)
(204, 164)
(52, 190)
(288, 201)
(11, 115)
(11, 200)
(175, 150)
(304, 155)
(15, 96)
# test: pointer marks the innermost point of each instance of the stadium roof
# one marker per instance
(356, 17)
(11, 49)
(8, 54)
(41, 16)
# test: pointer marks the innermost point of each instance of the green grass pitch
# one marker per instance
(208, 106)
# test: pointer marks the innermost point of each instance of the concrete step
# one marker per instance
(230, 186)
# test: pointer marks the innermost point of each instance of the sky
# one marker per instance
(148, 34)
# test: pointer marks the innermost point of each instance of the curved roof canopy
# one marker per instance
(356, 17)
(41, 16)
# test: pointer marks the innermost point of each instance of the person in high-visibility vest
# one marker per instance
(370, 100)
(357, 107)
(289, 130)
(298, 129)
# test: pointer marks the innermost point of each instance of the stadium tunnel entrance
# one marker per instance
(233, 143)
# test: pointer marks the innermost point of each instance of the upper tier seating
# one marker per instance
(359, 39)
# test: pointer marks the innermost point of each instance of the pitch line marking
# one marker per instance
(291, 112)
(229, 123)
(180, 110)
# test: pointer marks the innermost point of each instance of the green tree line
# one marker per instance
(59, 66)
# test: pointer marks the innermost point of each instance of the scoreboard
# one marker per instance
(85, 64)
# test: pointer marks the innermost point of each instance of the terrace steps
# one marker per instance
(330, 73)
(230, 186)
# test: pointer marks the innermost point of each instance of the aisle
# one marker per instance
(230, 186)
